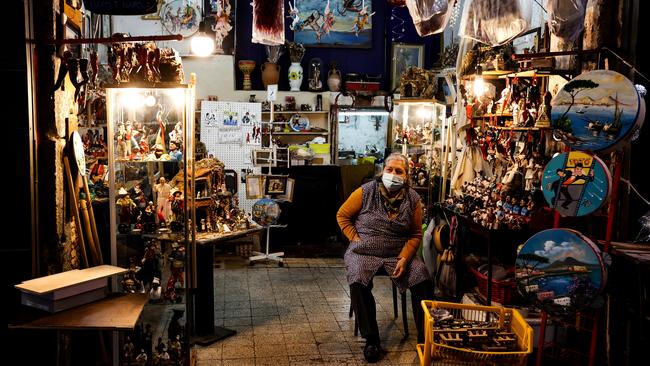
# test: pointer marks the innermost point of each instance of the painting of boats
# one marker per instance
(596, 110)
(560, 270)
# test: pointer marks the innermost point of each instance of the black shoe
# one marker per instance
(372, 352)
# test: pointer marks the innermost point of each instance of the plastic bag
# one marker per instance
(566, 18)
(495, 22)
(430, 16)
(268, 22)
(644, 234)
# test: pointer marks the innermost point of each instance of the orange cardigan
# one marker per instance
(347, 215)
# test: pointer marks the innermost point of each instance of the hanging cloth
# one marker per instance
(430, 16)
(268, 22)
(566, 18)
(495, 22)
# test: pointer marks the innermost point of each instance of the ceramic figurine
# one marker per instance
(142, 357)
(516, 209)
(315, 83)
(507, 206)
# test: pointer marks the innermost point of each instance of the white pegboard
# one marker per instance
(230, 131)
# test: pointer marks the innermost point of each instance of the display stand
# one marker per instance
(206, 332)
(258, 256)
(266, 255)
(595, 316)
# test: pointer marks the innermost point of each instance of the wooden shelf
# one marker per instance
(488, 115)
(414, 101)
(296, 112)
(116, 312)
(298, 133)
(513, 128)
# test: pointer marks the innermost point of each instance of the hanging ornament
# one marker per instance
(397, 26)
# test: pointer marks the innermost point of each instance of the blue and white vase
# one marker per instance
(295, 76)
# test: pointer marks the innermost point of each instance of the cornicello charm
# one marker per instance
(576, 183)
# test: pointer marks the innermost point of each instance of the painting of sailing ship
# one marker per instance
(595, 110)
(560, 269)
(332, 23)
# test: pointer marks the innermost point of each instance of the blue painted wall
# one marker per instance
(374, 61)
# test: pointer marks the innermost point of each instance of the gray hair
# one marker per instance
(400, 157)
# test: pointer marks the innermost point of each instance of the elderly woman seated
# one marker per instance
(383, 220)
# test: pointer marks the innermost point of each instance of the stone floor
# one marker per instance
(298, 315)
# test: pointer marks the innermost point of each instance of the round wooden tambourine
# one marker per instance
(79, 153)
(561, 271)
(576, 183)
(597, 111)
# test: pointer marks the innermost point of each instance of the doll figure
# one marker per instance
(516, 209)
(174, 153)
(529, 175)
(162, 191)
(203, 225)
(524, 207)
(507, 206)
(177, 204)
(141, 359)
(177, 133)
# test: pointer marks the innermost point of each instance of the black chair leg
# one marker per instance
(404, 317)
(395, 300)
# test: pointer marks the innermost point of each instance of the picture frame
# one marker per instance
(263, 158)
(349, 25)
(254, 187)
(288, 196)
(403, 56)
(275, 185)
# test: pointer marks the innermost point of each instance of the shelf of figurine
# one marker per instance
(133, 142)
(418, 135)
(493, 206)
(290, 106)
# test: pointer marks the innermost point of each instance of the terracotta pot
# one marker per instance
(270, 73)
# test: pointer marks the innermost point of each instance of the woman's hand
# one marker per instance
(400, 268)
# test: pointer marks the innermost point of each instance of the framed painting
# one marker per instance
(288, 195)
(319, 23)
(403, 57)
(275, 184)
(254, 188)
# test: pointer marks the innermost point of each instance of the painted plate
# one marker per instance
(299, 123)
(596, 111)
(181, 17)
(561, 271)
(576, 183)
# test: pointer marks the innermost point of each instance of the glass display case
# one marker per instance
(150, 141)
(418, 131)
(361, 133)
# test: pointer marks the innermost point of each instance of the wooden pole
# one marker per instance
(88, 231)
(93, 225)
(75, 211)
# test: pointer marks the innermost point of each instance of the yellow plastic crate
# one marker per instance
(431, 350)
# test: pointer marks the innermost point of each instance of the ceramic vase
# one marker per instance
(295, 76)
(270, 73)
(334, 79)
(247, 67)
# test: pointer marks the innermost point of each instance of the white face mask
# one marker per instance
(392, 182)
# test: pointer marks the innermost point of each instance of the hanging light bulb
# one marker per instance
(202, 45)
(479, 84)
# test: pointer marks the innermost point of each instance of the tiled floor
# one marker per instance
(298, 315)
